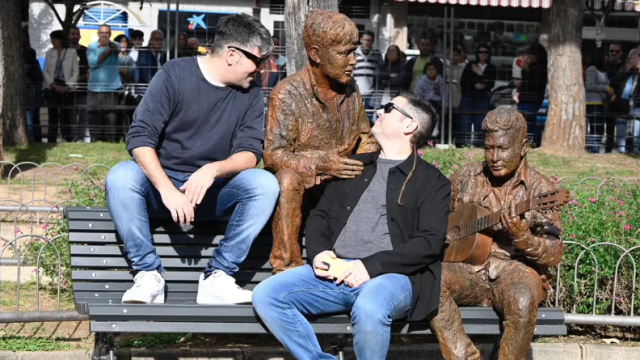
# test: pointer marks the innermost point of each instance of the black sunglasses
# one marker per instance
(483, 52)
(388, 107)
(255, 59)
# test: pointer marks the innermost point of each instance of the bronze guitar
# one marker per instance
(466, 244)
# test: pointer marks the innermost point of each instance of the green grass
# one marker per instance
(66, 153)
(19, 343)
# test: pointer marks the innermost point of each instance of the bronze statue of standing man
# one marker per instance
(513, 280)
(316, 120)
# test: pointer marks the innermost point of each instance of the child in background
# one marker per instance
(431, 87)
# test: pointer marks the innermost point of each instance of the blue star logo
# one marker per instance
(196, 21)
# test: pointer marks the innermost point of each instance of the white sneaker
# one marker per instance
(148, 289)
(221, 289)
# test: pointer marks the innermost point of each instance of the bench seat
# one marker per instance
(101, 275)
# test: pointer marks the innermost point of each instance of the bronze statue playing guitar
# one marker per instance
(513, 209)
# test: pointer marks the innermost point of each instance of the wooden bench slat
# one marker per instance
(169, 263)
(101, 276)
(111, 238)
(186, 312)
(205, 328)
(167, 228)
(168, 251)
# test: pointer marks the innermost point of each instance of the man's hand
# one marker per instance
(516, 228)
(319, 268)
(339, 166)
(479, 86)
(104, 42)
(179, 206)
(355, 276)
(200, 181)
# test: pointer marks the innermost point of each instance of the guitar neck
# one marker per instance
(492, 219)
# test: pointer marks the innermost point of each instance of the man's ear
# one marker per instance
(411, 127)
(314, 54)
(231, 57)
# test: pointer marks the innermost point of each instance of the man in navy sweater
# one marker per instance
(196, 138)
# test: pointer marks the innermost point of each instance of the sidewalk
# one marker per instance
(404, 352)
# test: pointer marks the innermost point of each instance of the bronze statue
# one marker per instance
(316, 120)
(512, 277)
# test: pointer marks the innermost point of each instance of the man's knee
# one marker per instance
(261, 183)
(124, 176)
(369, 315)
(289, 180)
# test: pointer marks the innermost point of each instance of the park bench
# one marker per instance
(101, 275)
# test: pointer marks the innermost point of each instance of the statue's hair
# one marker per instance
(505, 118)
(329, 28)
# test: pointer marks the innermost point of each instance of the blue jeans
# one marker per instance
(596, 117)
(249, 198)
(530, 113)
(621, 132)
(283, 301)
(472, 112)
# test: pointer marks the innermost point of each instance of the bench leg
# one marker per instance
(104, 344)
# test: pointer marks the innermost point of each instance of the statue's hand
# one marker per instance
(339, 166)
(516, 227)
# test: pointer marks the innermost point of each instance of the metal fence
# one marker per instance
(32, 197)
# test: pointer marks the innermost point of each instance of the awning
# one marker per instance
(503, 3)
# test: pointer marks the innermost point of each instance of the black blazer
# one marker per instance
(417, 229)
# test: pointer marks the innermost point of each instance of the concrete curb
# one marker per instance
(403, 352)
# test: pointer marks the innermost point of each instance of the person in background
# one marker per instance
(431, 87)
(628, 103)
(615, 62)
(616, 72)
(137, 39)
(194, 45)
(150, 60)
(415, 67)
(127, 65)
(104, 86)
(531, 90)
(454, 84)
(598, 97)
(79, 94)
(478, 79)
(33, 77)
(281, 60)
(60, 77)
(389, 80)
(127, 76)
(368, 59)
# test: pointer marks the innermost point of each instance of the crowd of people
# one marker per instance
(91, 92)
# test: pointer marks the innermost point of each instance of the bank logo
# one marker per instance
(196, 21)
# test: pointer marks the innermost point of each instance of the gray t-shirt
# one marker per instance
(367, 231)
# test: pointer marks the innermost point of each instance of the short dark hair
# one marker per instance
(242, 30)
(120, 37)
(429, 64)
(598, 58)
(367, 32)
(275, 37)
(424, 114)
(136, 34)
(57, 34)
(72, 27)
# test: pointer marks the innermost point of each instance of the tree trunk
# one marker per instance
(565, 129)
(296, 12)
(12, 87)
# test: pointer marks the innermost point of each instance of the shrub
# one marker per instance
(89, 190)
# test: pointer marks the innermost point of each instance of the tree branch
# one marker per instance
(55, 12)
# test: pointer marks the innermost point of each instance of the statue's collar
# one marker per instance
(520, 177)
(313, 86)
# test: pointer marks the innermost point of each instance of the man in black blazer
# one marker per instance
(389, 223)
